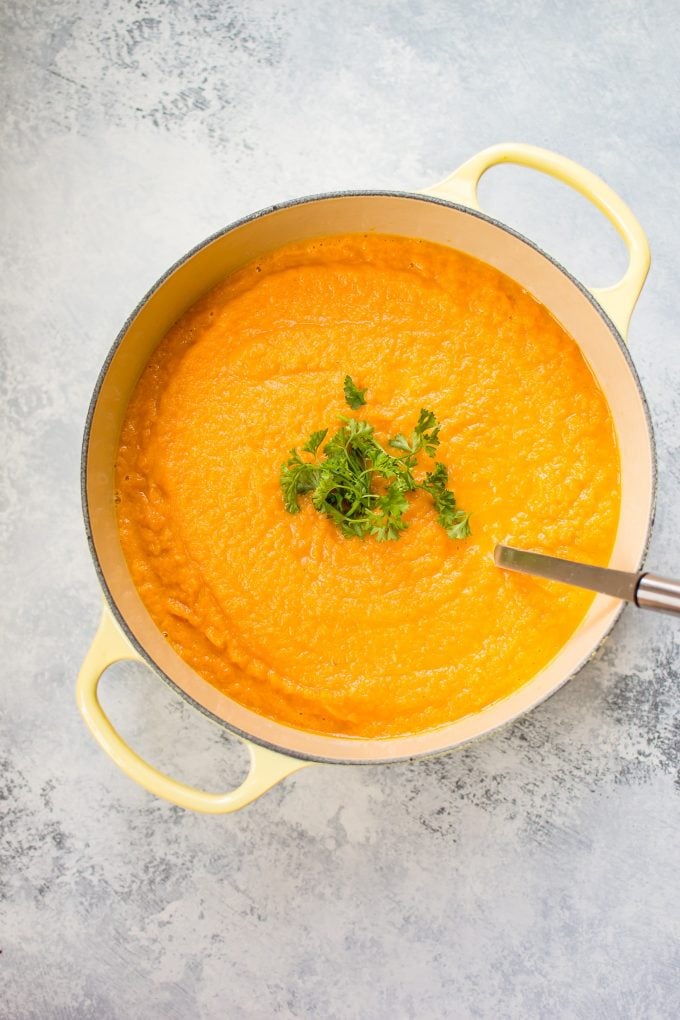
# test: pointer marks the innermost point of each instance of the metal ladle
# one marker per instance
(643, 589)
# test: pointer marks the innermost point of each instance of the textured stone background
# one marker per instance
(533, 875)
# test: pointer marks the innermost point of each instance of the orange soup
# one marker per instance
(282, 612)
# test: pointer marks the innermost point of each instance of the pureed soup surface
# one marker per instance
(282, 612)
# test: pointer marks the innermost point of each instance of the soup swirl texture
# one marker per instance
(282, 612)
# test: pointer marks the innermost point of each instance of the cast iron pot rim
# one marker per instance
(259, 214)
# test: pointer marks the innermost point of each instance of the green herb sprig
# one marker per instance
(362, 486)
(354, 397)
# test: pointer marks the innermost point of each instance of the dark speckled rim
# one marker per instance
(121, 335)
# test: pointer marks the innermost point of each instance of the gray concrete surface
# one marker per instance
(533, 875)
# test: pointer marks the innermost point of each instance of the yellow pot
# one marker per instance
(446, 213)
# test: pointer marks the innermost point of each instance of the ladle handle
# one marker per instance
(662, 594)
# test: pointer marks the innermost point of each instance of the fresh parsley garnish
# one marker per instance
(354, 397)
(363, 487)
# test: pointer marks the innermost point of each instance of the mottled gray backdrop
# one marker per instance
(534, 875)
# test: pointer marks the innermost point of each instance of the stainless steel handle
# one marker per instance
(659, 593)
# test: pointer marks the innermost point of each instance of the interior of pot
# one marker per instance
(412, 216)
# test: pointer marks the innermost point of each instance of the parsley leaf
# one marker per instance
(315, 441)
(297, 477)
(455, 522)
(400, 442)
(426, 432)
(425, 436)
(354, 397)
(437, 479)
(461, 527)
(389, 513)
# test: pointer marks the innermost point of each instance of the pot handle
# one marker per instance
(619, 300)
(266, 767)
